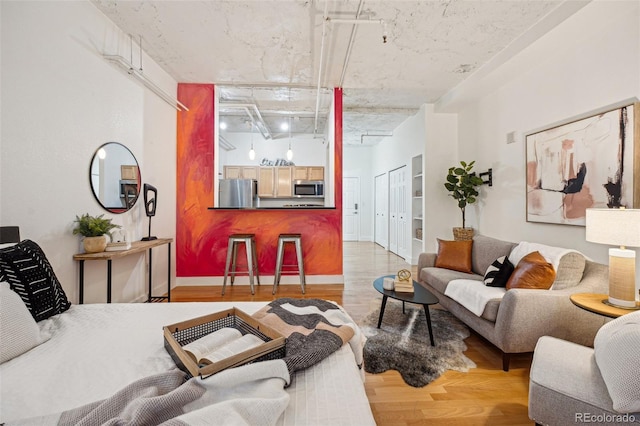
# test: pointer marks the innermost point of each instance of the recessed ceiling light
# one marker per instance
(223, 125)
(284, 126)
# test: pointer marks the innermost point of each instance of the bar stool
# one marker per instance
(249, 241)
(282, 240)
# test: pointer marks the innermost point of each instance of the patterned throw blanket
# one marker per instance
(314, 329)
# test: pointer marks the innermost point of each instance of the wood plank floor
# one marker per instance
(485, 395)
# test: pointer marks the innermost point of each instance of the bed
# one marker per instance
(90, 352)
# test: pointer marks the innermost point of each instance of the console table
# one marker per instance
(136, 247)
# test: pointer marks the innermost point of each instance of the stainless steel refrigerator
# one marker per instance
(238, 193)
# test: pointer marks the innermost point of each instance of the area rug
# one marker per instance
(402, 343)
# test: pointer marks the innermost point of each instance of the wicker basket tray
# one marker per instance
(182, 333)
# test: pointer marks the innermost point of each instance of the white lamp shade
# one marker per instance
(616, 227)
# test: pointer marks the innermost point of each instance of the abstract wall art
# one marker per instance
(584, 163)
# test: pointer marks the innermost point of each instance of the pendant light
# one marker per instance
(252, 153)
(289, 151)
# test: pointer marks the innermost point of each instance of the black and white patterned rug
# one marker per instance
(402, 343)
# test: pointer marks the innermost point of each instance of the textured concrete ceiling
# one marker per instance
(268, 53)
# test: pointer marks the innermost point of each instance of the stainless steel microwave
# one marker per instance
(308, 188)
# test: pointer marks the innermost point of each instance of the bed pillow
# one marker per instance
(616, 347)
(498, 272)
(18, 330)
(454, 255)
(27, 270)
(532, 272)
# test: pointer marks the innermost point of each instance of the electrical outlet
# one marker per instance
(511, 137)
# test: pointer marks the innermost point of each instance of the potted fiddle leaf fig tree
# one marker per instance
(94, 229)
(462, 186)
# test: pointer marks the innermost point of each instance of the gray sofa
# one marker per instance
(515, 323)
(573, 384)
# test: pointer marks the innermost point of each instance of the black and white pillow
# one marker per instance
(498, 272)
(27, 270)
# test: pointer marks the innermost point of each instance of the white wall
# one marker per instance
(590, 61)
(61, 100)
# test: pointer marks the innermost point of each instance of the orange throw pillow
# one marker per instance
(455, 255)
(534, 272)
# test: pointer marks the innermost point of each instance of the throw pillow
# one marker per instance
(616, 348)
(27, 270)
(18, 330)
(498, 272)
(570, 270)
(454, 255)
(532, 272)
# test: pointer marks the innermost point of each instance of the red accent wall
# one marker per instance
(201, 233)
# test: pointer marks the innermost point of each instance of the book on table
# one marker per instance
(403, 286)
(220, 344)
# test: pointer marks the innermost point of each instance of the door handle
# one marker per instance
(356, 206)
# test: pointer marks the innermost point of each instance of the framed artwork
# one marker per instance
(591, 162)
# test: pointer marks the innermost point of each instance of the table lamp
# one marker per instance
(619, 227)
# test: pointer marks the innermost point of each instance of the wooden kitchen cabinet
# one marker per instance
(316, 173)
(266, 182)
(241, 172)
(308, 173)
(283, 176)
(275, 182)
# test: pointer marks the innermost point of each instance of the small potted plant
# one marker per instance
(461, 184)
(94, 229)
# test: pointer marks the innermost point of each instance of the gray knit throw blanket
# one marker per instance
(314, 329)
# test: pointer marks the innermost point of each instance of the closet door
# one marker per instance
(403, 213)
(381, 208)
(398, 211)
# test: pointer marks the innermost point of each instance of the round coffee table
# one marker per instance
(420, 296)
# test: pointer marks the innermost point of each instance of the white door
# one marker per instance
(397, 211)
(381, 208)
(403, 214)
(350, 209)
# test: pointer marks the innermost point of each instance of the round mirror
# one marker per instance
(115, 177)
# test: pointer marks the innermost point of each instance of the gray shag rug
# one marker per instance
(402, 343)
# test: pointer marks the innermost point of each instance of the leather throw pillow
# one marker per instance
(533, 272)
(454, 255)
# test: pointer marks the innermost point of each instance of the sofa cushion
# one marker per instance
(568, 264)
(486, 250)
(532, 272)
(498, 272)
(438, 278)
(454, 255)
(616, 347)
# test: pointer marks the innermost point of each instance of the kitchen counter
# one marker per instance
(275, 208)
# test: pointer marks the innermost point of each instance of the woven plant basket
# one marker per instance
(462, 234)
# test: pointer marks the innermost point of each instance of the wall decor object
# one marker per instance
(589, 162)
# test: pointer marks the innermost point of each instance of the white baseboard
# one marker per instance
(264, 280)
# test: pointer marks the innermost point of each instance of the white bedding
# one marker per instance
(97, 349)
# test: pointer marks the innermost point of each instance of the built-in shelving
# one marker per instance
(417, 206)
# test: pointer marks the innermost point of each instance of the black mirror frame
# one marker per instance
(129, 199)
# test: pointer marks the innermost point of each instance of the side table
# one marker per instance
(136, 247)
(594, 302)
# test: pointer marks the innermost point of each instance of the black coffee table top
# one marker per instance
(420, 295)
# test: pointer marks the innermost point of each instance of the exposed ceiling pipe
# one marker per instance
(351, 40)
(377, 134)
(258, 120)
(324, 27)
